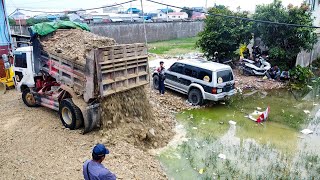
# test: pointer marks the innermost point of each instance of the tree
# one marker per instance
(32, 21)
(12, 22)
(222, 34)
(64, 18)
(284, 42)
(188, 11)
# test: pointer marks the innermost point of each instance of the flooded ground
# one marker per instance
(215, 149)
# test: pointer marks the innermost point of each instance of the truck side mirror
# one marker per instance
(5, 60)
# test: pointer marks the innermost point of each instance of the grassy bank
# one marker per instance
(174, 47)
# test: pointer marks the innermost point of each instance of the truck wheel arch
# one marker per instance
(23, 87)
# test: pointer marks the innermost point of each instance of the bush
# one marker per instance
(301, 75)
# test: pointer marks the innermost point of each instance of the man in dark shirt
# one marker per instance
(161, 70)
(93, 169)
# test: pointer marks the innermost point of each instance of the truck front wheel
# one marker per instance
(28, 98)
(70, 115)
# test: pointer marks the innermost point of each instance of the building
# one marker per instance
(113, 9)
(315, 8)
(177, 15)
(199, 9)
(100, 17)
(75, 17)
(133, 11)
(198, 16)
(160, 14)
(18, 15)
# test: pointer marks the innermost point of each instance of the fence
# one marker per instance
(126, 33)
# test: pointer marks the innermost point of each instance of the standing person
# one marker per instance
(93, 169)
(162, 77)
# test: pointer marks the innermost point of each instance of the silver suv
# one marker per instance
(199, 79)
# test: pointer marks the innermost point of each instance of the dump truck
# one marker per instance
(76, 89)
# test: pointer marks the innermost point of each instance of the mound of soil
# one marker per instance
(129, 117)
(73, 44)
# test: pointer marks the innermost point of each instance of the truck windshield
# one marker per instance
(224, 76)
(20, 60)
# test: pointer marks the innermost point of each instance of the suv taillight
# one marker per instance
(214, 90)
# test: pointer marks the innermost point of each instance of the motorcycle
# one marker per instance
(257, 67)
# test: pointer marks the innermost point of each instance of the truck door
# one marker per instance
(23, 70)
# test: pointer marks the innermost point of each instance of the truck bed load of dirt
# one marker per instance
(72, 44)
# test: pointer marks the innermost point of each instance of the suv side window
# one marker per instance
(177, 68)
(191, 71)
(205, 75)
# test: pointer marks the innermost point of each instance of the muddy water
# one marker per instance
(274, 149)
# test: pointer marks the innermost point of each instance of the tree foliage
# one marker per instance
(64, 18)
(224, 35)
(32, 21)
(12, 22)
(188, 11)
(284, 42)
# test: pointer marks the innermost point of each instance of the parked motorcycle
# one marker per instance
(258, 67)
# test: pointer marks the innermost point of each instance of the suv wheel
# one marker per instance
(195, 97)
(156, 82)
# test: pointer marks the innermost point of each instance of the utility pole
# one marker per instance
(206, 4)
(131, 12)
(167, 14)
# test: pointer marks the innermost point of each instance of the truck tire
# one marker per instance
(156, 82)
(28, 98)
(195, 97)
(70, 115)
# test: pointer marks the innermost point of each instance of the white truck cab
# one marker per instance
(23, 68)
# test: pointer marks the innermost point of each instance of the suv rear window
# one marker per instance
(224, 76)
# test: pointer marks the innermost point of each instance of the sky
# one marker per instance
(61, 5)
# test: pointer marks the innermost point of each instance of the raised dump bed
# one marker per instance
(118, 68)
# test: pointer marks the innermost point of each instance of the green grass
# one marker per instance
(174, 47)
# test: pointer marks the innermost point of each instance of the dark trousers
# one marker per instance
(161, 87)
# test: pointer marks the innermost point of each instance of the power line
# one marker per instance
(237, 17)
(117, 4)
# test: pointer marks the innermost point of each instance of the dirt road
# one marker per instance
(35, 145)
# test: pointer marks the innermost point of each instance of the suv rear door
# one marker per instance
(225, 80)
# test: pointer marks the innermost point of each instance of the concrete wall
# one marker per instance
(304, 58)
(134, 32)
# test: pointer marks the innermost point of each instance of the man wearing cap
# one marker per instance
(93, 169)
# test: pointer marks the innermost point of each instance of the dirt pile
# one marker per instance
(254, 82)
(129, 117)
(73, 44)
